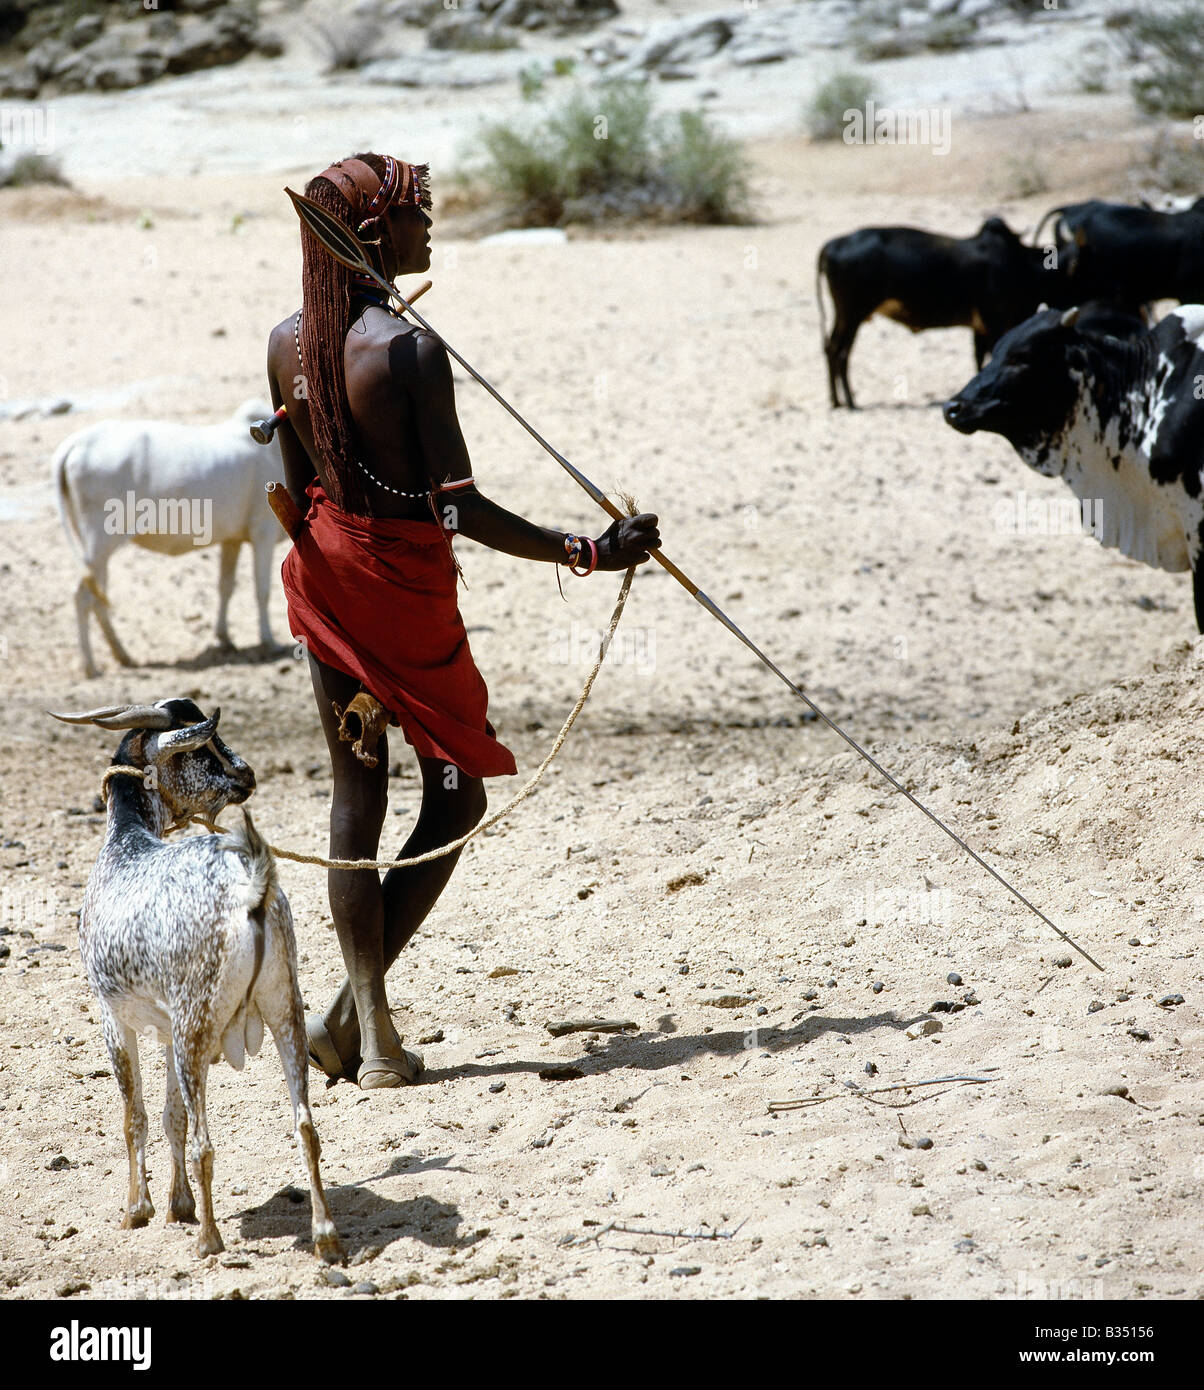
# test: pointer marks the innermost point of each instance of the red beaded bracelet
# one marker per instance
(593, 563)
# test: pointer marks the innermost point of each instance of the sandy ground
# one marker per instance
(701, 860)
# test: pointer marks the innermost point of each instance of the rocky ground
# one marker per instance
(774, 922)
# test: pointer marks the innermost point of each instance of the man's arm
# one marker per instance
(624, 543)
(299, 471)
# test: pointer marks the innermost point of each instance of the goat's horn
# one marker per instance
(120, 717)
(1071, 317)
(185, 740)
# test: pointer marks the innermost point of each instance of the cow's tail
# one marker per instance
(1053, 212)
(821, 269)
(69, 517)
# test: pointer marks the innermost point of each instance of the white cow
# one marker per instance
(171, 488)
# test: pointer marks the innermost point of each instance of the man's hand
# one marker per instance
(628, 541)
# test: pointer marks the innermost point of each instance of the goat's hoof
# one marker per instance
(137, 1217)
(329, 1248)
(182, 1212)
(223, 643)
(210, 1244)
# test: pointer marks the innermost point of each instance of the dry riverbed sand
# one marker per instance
(701, 861)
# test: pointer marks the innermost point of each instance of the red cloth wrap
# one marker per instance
(375, 598)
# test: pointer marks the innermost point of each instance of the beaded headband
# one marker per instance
(370, 196)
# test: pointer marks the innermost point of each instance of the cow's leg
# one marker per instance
(191, 1070)
(175, 1124)
(85, 602)
(843, 335)
(98, 574)
(225, 587)
(1197, 590)
(122, 1044)
(262, 549)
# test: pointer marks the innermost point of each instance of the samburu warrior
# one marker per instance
(375, 461)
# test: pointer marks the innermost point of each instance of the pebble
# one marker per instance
(638, 994)
(683, 969)
(964, 1247)
(831, 984)
(542, 1142)
(924, 1143)
(1062, 962)
(496, 1088)
(427, 1038)
(58, 1163)
(972, 999)
(871, 1069)
(921, 1209)
(953, 978)
(810, 994)
(1134, 941)
(761, 1010)
(685, 1271)
(367, 1287)
(335, 1278)
(980, 1166)
(877, 986)
(1094, 1007)
(1140, 1034)
(1169, 1000)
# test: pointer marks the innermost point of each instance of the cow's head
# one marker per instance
(1026, 391)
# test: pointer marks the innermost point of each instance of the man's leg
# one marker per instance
(357, 813)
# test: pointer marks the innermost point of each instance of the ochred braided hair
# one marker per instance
(325, 318)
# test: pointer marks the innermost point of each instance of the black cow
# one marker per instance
(1130, 255)
(1121, 423)
(988, 282)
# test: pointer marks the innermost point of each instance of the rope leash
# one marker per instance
(533, 781)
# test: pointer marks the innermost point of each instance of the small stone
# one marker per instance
(877, 986)
(1140, 1034)
(367, 1287)
(334, 1278)
(972, 999)
(683, 969)
(1062, 962)
(58, 1163)
(685, 1271)
(924, 1143)
(964, 1247)
(979, 1165)
(501, 972)
(1094, 1007)
(810, 994)
(427, 1038)
(542, 1142)
(871, 1069)
(1168, 1001)
(942, 1006)
(638, 994)
(496, 1088)
(921, 1209)
(953, 978)
(1134, 941)
(831, 984)
(761, 1010)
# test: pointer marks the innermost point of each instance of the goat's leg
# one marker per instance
(285, 1018)
(175, 1126)
(100, 577)
(262, 550)
(122, 1043)
(191, 1069)
(85, 602)
(225, 587)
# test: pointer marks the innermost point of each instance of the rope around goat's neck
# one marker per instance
(532, 782)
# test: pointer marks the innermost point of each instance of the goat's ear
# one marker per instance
(119, 717)
(185, 740)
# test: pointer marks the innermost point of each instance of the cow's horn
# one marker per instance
(1071, 317)
(120, 717)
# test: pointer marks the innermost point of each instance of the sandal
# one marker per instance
(386, 1073)
(322, 1052)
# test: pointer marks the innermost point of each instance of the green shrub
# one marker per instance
(604, 154)
(29, 169)
(1171, 40)
(825, 113)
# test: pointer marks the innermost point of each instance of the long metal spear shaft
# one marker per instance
(345, 247)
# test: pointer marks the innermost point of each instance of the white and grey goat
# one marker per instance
(194, 939)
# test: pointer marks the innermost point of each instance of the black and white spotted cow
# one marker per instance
(1121, 423)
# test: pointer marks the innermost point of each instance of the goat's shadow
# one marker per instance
(217, 655)
(363, 1217)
